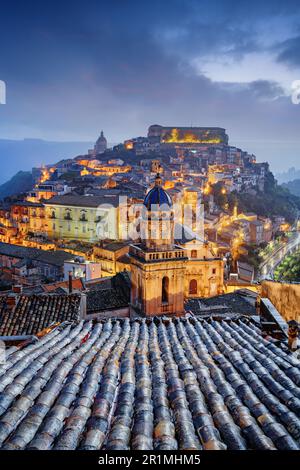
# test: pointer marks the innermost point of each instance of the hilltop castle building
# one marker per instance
(187, 136)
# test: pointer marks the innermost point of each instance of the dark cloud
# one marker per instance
(74, 67)
(290, 52)
(266, 90)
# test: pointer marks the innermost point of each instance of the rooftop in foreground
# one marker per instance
(187, 383)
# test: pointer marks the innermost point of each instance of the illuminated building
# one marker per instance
(187, 136)
(96, 168)
(84, 172)
(139, 145)
(157, 264)
(86, 218)
(8, 230)
(110, 255)
(204, 273)
(81, 269)
(165, 271)
(110, 170)
(42, 174)
(36, 216)
(128, 144)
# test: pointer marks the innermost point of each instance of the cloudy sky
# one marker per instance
(74, 67)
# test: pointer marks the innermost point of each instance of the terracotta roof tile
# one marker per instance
(33, 313)
(154, 384)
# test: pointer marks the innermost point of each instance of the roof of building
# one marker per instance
(82, 201)
(184, 234)
(112, 297)
(245, 271)
(56, 258)
(155, 384)
(77, 284)
(157, 196)
(115, 246)
(33, 313)
(229, 304)
(101, 139)
(27, 204)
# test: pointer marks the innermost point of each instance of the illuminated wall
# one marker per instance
(81, 223)
(285, 297)
(188, 135)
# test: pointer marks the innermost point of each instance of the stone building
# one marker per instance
(204, 273)
(87, 218)
(164, 273)
(157, 264)
(101, 144)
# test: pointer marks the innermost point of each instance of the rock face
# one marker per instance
(285, 297)
(159, 383)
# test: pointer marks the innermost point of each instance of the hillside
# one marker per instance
(290, 175)
(19, 183)
(274, 201)
(293, 187)
(27, 153)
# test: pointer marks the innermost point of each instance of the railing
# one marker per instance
(156, 255)
(166, 308)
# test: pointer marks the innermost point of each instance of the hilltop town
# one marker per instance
(132, 312)
(88, 208)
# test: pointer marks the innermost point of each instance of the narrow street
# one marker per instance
(268, 265)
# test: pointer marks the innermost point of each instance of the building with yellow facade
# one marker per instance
(86, 218)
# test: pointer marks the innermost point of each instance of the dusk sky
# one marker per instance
(74, 68)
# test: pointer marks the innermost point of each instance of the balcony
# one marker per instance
(156, 255)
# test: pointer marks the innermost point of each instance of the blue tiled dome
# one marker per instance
(157, 196)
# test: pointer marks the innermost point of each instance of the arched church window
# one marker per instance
(193, 287)
(165, 290)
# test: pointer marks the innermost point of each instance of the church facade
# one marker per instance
(164, 273)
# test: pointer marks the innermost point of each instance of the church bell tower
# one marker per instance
(157, 264)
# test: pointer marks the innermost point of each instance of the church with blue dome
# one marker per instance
(157, 196)
(157, 264)
(165, 272)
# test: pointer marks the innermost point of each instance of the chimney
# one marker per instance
(17, 289)
(11, 301)
(293, 333)
(70, 282)
(82, 307)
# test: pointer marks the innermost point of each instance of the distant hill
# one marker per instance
(19, 183)
(293, 187)
(16, 155)
(290, 175)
